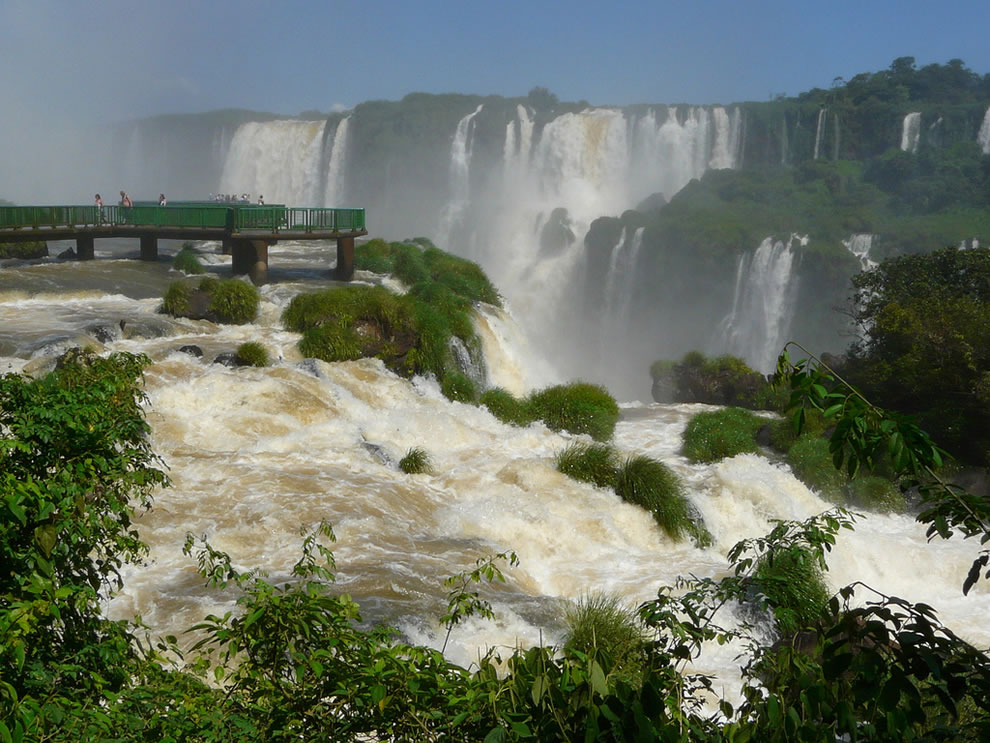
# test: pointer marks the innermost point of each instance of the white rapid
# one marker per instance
(983, 136)
(762, 304)
(279, 159)
(258, 455)
(337, 166)
(911, 132)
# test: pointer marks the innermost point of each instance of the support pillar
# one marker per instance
(226, 247)
(84, 248)
(250, 257)
(345, 259)
(149, 248)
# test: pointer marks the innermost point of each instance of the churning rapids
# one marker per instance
(256, 455)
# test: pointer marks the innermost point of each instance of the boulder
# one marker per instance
(192, 351)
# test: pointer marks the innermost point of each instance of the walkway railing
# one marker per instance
(273, 218)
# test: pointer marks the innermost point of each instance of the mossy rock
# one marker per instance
(231, 302)
(578, 407)
(811, 462)
(715, 435)
(24, 251)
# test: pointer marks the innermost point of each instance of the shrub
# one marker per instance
(812, 464)
(458, 387)
(234, 301)
(712, 436)
(507, 408)
(374, 255)
(578, 407)
(176, 299)
(594, 463)
(652, 485)
(24, 251)
(783, 435)
(792, 583)
(252, 354)
(187, 261)
(416, 462)
(331, 342)
(601, 627)
(876, 494)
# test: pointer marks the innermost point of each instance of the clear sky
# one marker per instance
(112, 60)
(70, 67)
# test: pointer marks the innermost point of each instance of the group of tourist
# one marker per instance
(232, 197)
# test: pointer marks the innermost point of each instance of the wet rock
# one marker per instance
(67, 255)
(192, 351)
(104, 333)
(471, 365)
(378, 452)
(652, 202)
(557, 233)
(227, 359)
(37, 368)
(145, 329)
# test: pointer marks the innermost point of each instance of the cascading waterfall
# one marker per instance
(762, 304)
(820, 131)
(860, 245)
(983, 137)
(460, 177)
(280, 159)
(911, 131)
(337, 166)
(728, 139)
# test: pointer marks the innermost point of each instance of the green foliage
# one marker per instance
(187, 261)
(252, 354)
(810, 459)
(504, 406)
(331, 342)
(791, 583)
(416, 462)
(23, 250)
(578, 407)
(176, 299)
(783, 434)
(654, 486)
(594, 463)
(600, 627)
(715, 435)
(234, 301)
(458, 387)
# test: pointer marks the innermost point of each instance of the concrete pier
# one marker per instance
(251, 257)
(345, 259)
(84, 248)
(149, 248)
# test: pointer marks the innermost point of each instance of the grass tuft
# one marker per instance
(416, 462)
(458, 387)
(234, 301)
(794, 587)
(599, 625)
(712, 436)
(577, 407)
(252, 354)
(187, 261)
(654, 486)
(594, 463)
(176, 299)
(506, 407)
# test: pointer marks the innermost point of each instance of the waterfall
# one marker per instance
(762, 304)
(460, 183)
(725, 151)
(337, 166)
(983, 137)
(860, 245)
(280, 159)
(911, 132)
(820, 131)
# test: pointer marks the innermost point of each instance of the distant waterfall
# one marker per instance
(280, 159)
(460, 183)
(728, 142)
(337, 165)
(820, 131)
(983, 138)
(762, 305)
(860, 245)
(911, 132)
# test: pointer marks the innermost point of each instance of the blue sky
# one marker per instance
(112, 60)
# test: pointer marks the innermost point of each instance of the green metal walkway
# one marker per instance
(246, 230)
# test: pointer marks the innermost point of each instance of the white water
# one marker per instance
(256, 455)
(460, 177)
(763, 303)
(337, 166)
(820, 131)
(983, 136)
(860, 245)
(278, 159)
(911, 132)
